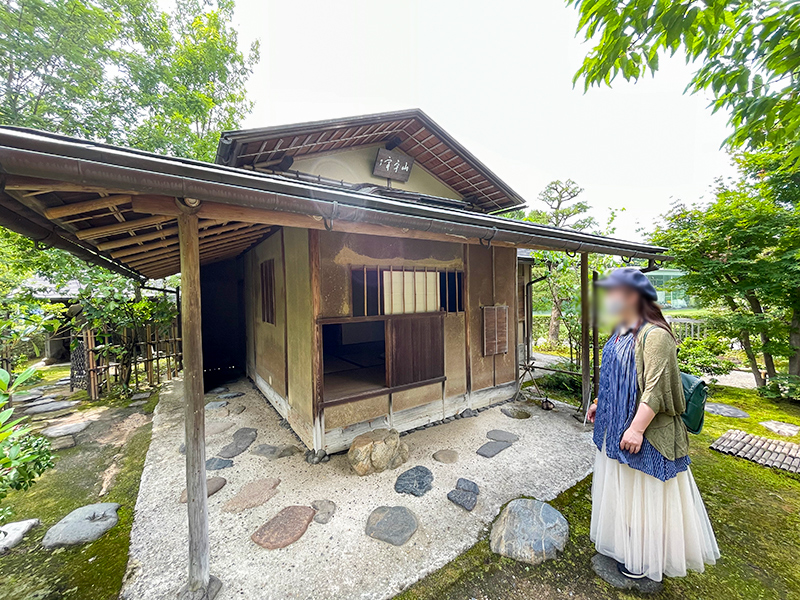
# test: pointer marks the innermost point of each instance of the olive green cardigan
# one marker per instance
(659, 382)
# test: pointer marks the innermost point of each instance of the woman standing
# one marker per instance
(647, 513)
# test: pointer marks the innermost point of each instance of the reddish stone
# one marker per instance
(286, 527)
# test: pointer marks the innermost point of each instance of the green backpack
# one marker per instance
(695, 391)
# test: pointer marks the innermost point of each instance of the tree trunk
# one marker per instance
(756, 307)
(794, 342)
(744, 338)
(554, 332)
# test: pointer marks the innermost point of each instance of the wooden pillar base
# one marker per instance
(209, 593)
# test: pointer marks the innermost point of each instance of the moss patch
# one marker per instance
(755, 512)
(81, 572)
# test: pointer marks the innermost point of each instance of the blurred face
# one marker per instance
(620, 305)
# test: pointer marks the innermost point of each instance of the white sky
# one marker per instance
(498, 77)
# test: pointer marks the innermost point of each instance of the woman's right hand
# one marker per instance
(592, 412)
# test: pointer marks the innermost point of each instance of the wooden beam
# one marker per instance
(196, 491)
(586, 368)
(18, 182)
(68, 210)
(125, 227)
(134, 240)
(159, 255)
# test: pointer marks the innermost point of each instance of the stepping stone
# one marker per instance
(82, 525)
(462, 498)
(230, 395)
(446, 456)
(490, 449)
(218, 390)
(57, 431)
(725, 410)
(392, 524)
(781, 428)
(515, 413)
(216, 405)
(238, 409)
(137, 403)
(11, 534)
(141, 396)
(242, 438)
(606, 568)
(252, 494)
(498, 435)
(215, 464)
(416, 481)
(213, 485)
(62, 443)
(467, 486)
(51, 407)
(217, 427)
(325, 510)
(39, 402)
(26, 396)
(285, 528)
(63, 380)
(529, 531)
(465, 414)
(275, 452)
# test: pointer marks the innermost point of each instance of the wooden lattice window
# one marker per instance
(495, 330)
(268, 291)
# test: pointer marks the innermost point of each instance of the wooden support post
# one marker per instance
(200, 585)
(586, 368)
(595, 338)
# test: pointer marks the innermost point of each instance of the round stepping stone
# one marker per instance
(218, 390)
(11, 534)
(606, 568)
(464, 499)
(215, 463)
(725, 410)
(213, 485)
(467, 486)
(216, 405)
(285, 528)
(515, 413)
(416, 481)
(325, 510)
(252, 494)
(242, 438)
(446, 456)
(392, 524)
(230, 395)
(56, 431)
(529, 531)
(51, 407)
(491, 449)
(82, 525)
(498, 435)
(275, 452)
(217, 427)
(781, 428)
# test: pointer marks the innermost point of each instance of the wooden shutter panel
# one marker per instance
(417, 349)
(495, 330)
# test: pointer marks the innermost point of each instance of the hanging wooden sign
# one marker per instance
(391, 164)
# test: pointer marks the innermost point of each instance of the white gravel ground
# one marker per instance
(337, 560)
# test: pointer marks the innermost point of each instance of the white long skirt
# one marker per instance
(654, 527)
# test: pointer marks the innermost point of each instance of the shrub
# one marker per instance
(704, 356)
(782, 387)
(564, 382)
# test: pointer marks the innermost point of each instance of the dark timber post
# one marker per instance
(586, 368)
(595, 338)
(200, 585)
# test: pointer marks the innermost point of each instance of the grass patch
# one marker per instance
(755, 512)
(93, 570)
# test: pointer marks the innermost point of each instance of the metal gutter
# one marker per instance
(54, 157)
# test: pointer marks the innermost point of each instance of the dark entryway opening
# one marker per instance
(223, 314)
(354, 358)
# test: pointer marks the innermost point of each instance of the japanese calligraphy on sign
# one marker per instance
(392, 165)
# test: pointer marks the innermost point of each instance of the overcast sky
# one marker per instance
(498, 77)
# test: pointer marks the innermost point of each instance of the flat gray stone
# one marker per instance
(141, 396)
(242, 438)
(216, 404)
(725, 410)
(214, 587)
(82, 525)
(215, 463)
(515, 412)
(464, 499)
(217, 427)
(498, 435)
(275, 452)
(781, 428)
(57, 431)
(137, 403)
(213, 485)
(218, 390)
(416, 481)
(230, 395)
(325, 510)
(39, 402)
(392, 524)
(238, 409)
(28, 396)
(62, 443)
(446, 456)
(491, 449)
(529, 531)
(606, 568)
(51, 407)
(11, 534)
(467, 486)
